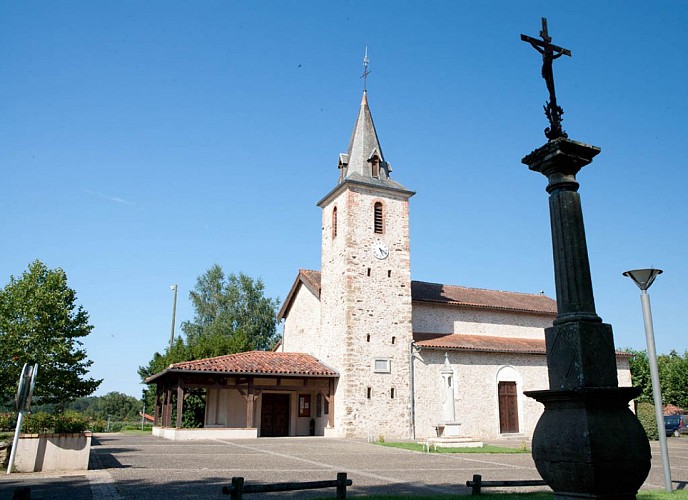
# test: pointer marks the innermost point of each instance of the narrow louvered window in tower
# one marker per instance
(378, 218)
(375, 167)
(334, 222)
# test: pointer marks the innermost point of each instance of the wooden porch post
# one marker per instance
(168, 406)
(156, 409)
(330, 417)
(249, 403)
(163, 409)
(180, 404)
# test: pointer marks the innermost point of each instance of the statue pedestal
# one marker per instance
(587, 443)
(448, 429)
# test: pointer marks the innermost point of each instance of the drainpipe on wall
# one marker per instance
(412, 398)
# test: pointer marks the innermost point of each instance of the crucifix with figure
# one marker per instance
(549, 52)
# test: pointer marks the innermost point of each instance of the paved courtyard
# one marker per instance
(143, 467)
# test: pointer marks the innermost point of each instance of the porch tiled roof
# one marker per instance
(283, 364)
(480, 343)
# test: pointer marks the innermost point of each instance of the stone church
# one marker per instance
(368, 352)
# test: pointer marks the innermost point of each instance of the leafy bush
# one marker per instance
(37, 423)
(7, 421)
(646, 415)
(69, 422)
(97, 425)
(43, 423)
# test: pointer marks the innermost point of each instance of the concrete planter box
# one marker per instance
(205, 433)
(52, 452)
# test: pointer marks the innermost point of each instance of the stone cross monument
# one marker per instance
(549, 52)
(587, 443)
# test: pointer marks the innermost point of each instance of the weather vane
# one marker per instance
(549, 52)
(365, 69)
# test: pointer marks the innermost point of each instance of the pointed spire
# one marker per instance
(365, 153)
(364, 162)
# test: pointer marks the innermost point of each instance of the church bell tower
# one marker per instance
(366, 289)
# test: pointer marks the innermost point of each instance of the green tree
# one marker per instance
(640, 374)
(119, 406)
(673, 377)
(41, 323)
(231, 314)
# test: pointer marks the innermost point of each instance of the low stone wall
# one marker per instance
(52, 452)
(5, 447)
(209, 433)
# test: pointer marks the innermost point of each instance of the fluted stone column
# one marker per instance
(587, 444)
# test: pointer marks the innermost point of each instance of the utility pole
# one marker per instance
(174, 312)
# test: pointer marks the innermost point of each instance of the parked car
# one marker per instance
(676, 424)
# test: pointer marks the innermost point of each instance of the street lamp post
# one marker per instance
(644, 278)
(174, 312)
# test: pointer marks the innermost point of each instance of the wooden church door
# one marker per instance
(508, 407)
(274, 415)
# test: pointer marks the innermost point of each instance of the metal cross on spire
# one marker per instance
(365, 69)
(549, 52)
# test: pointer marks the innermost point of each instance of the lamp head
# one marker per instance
(643, 277)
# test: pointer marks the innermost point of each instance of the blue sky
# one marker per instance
(144, 141)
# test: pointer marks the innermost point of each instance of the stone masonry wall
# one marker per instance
(475, 390)
(301, 329)
(431, 318)
(366, 312)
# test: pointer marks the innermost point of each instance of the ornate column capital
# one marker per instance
(560, 160)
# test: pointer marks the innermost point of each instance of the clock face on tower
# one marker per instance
(380, 250)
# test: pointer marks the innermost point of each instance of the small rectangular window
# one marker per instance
(368, 271)
(382, 365)
(394, 339)
(391, 393)
(368, 338)
(389, 273)
(369, 392)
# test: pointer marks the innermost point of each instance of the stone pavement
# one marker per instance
(143, 467)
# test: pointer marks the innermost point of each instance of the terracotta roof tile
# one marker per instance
(310, 279)
(484, 343)
(481, 343)
(481, 298)
(451, 295)
(256, 363)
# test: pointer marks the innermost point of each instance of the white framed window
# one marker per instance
(382, 365)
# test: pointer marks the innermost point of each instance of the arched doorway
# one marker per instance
(507, 397)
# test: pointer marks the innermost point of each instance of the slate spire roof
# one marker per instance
(364, 144)
(364, 161)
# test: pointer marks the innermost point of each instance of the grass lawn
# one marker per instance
(642, 495)
(484, 449)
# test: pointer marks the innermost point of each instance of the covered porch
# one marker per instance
(247, 395)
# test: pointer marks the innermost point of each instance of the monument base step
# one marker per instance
(454, 442)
